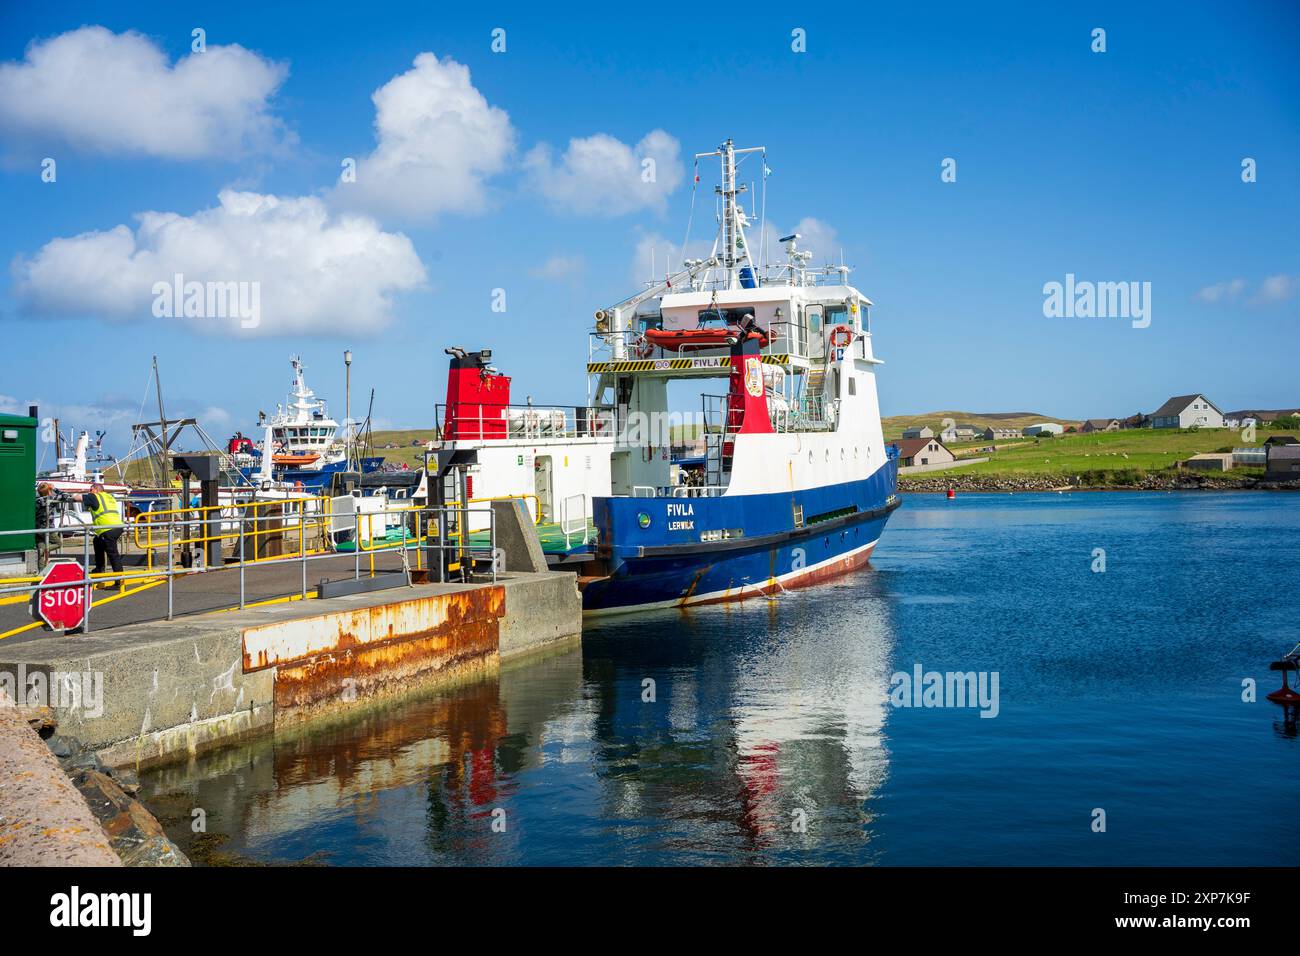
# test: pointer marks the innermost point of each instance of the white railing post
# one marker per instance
(88, 590)
(243, 556)
(171, 524)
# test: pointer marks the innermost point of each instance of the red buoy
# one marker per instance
(1285, 695)
(952, 493)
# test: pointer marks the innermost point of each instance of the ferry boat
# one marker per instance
(798, 481)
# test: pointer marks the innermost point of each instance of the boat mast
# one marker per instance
(164, 465)
(731, 232)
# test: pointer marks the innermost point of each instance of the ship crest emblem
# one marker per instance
(754, 377)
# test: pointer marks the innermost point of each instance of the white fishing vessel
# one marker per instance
(302, 434)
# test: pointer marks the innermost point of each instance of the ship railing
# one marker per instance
(785, 338)
(678, 491)
(440, 539)
(575, 520)
(491, 420)
(697, 491)
(809, 413)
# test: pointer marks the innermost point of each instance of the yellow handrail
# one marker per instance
(314, 510)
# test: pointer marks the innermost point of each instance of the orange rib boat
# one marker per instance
(295, 460)
(674, 340)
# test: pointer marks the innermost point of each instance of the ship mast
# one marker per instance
(731, 231)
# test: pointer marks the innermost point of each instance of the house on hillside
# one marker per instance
(1262, 416)
(914, 452)
(1135, 421)
(1042, 428)
(918, 431)
(994, 434)
(1187, 411)
(1100, 425)
(959, 433)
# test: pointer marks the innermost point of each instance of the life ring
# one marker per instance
(841, 336)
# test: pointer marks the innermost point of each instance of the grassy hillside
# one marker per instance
(413, 455)
(894, 425)
(1139, 449)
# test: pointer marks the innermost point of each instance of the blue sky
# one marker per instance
(1115, 166)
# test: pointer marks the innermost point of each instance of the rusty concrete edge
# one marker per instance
(497, 591)
(44, 819)
(321, 715)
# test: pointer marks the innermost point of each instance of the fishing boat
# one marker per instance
(304, 444)
(799, 482)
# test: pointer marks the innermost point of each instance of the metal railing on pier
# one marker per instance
(437, 540)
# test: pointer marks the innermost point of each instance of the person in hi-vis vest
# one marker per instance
(106, 519)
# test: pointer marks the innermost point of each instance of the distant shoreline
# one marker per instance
(1004, 484)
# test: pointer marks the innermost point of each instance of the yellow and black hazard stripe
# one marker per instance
(678, 364)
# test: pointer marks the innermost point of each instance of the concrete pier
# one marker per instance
(44, 819)
(147, 693)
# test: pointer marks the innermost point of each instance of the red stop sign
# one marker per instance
(62, 608)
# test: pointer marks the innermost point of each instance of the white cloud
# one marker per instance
(815, 236)
(602, 176)
(559, 267)
(818, 236)
(107, 92)
(215, 415)
(438, 141)
(1222, 291)
(314, 273)
(1277, 288)
(656, 257)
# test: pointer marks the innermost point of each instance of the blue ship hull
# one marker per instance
(315, 477)
(757, 545)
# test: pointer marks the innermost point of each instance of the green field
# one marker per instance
(413, 455)
(1133, 450)
(895, 425)
(1138, 450)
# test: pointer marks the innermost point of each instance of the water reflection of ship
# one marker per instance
(785, 715)
(451, 748)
